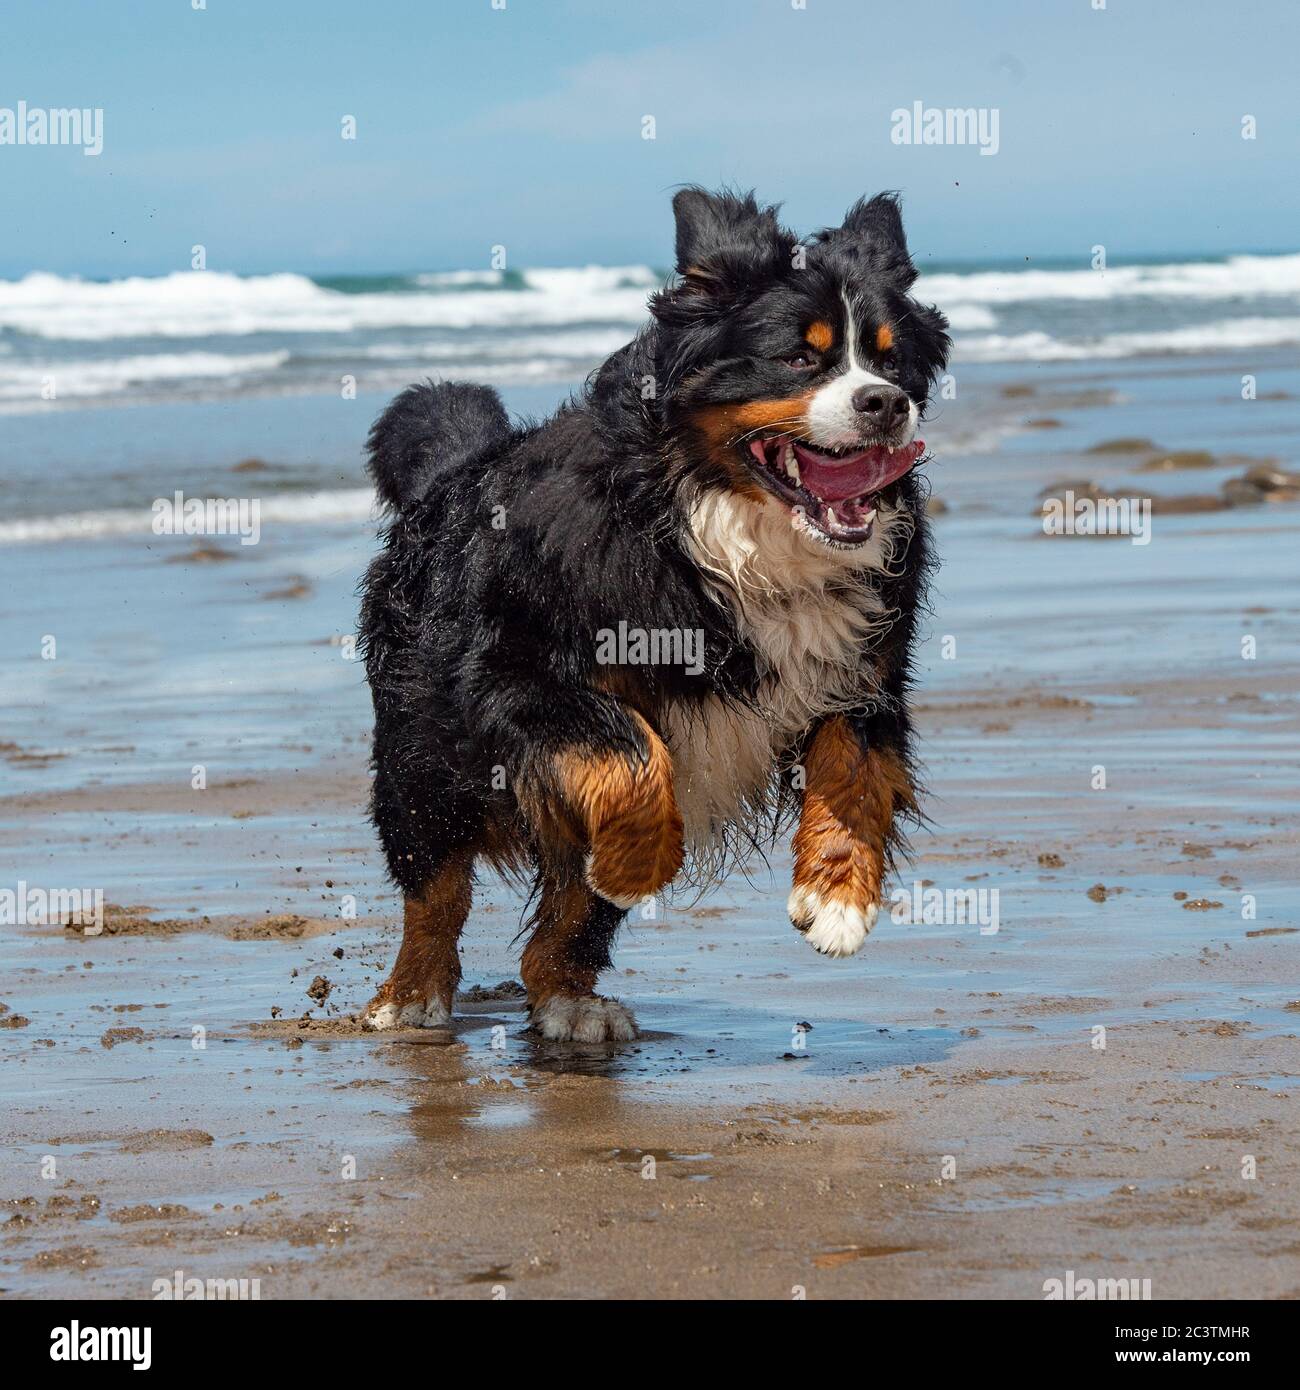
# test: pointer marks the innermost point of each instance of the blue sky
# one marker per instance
(522, 127)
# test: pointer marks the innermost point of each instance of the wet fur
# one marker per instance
(509, 547)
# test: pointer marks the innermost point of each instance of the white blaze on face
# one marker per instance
(832, 422)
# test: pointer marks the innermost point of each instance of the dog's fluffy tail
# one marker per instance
(427, 430)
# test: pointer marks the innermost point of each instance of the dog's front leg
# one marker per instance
(852, 791)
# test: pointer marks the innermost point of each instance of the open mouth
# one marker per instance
(836, 492)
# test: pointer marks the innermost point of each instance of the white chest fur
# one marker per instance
(796, 602)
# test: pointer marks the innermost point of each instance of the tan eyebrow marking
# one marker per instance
(884, 338)
(819, 335)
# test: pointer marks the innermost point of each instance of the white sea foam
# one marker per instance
(554, 324)
(1223, 336)
(308, 508)
(196, 304)
(23, 381)
(1237, 277)
(964, 318)
(594, 343)
(458, 279)
(582, 278)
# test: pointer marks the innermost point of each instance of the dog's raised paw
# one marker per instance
(381, 1017)
(589, 1018)
(833, 927)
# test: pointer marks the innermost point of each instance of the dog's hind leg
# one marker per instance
(419, 992)
(573, 928)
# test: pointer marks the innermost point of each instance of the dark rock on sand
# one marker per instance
(1189, 503)
(1263, 482)
(1128, 445)
(1084, 488)
(1178, 459)
(1270, 477)
(1237, 492)
(297, 587)
(482, 994)
(202, 555)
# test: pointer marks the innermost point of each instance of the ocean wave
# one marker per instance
(1225, 336)
(966, 318)
(204, 304)
(582, 279)
(24, 381)
(290, 509)
(1236, 277)
(210, 303)
(579, 343)
(460, 279)
(554, 324)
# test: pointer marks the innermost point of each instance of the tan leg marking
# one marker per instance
(551, 962)
(627, 817)
(560, 964)
(850, 800)
(420, 989)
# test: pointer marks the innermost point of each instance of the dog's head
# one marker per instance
(797, 370)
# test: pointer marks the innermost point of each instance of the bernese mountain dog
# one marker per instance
(628, 646)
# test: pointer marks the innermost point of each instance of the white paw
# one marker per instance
(563, 1018)
(434, 1014)
(625, 903)
(834, 928)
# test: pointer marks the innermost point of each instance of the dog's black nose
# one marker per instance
(884, 406)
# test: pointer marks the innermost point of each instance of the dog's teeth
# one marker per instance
(792, 468)
(830, 514)
(869, 517)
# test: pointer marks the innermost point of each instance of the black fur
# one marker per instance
(510, 547)
(431, 430)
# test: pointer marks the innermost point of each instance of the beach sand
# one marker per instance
(1106, 1084)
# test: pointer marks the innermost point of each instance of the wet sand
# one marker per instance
(948, 1126)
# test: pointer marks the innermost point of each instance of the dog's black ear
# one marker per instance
(727, 243)
(879, 219)
(929, 332)
(877, 224)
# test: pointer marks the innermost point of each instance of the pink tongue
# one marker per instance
(834, 479)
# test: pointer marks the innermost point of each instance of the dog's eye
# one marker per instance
(889, 362)
(800, 361)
